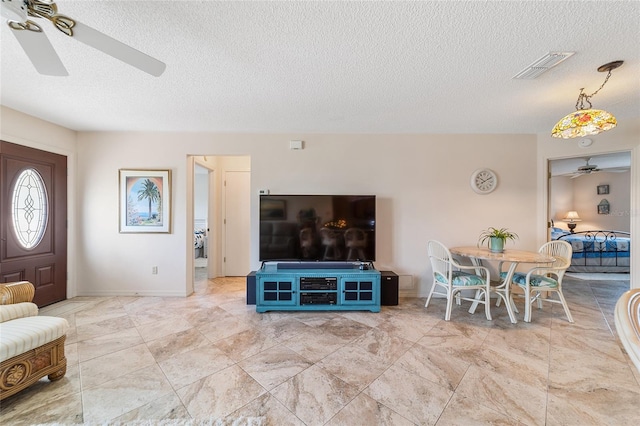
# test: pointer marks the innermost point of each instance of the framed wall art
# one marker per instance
(273, 209)
(603, 189)
(603, 207)
(145, 201)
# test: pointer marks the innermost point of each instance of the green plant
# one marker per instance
(503, 233)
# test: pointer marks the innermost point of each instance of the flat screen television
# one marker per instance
(317, 227)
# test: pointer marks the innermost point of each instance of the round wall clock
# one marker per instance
(483, 181)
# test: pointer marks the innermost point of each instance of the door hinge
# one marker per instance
(224, 259)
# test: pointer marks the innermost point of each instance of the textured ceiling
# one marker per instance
(361, 67)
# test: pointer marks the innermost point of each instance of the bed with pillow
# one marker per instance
(598, 250)
(200, 238)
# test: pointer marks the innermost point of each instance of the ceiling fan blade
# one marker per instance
(117, 49)
(40, 52)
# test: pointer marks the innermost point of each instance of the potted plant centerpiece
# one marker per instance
(496, 238)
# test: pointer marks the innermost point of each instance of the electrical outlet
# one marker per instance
(154, 270)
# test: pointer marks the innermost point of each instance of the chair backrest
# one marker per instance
(355, 237)
(440, 258)
(328, 236)
(561, 251)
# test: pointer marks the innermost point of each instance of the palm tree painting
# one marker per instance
(144, 202)
(150, 192)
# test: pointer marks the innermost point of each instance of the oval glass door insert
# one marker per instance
(29, 208)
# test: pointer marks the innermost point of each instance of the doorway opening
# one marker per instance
(201, 230)
(589, 206)
(219, 217)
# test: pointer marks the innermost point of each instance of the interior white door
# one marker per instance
(237, 223)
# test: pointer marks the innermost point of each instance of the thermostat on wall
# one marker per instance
(295, 144)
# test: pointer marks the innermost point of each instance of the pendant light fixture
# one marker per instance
(587, 121)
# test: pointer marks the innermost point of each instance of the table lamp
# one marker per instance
(572, 217)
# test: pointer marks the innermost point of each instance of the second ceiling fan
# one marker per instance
(592, 168)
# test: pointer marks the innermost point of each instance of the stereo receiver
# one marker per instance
(318, 298)
(318, 283)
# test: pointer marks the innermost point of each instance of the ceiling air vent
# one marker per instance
(542, 65)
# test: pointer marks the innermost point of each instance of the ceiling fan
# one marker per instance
(42, 54)
(592, 168)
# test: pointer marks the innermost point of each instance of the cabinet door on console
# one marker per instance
(272, 291)
(358, 291)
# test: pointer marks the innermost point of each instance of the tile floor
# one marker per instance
(209, 356)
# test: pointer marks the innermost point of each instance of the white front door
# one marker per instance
(237, 223)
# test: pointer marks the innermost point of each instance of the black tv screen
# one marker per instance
(318, 227)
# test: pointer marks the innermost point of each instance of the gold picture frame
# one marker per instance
(145, 201)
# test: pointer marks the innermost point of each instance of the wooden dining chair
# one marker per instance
(545, 279)
(452, 278)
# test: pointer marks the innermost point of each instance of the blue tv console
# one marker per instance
(317, 286)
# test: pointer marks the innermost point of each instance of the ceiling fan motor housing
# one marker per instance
(588, 168)
(14, 10)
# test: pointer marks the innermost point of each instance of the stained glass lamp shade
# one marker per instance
(584, 122)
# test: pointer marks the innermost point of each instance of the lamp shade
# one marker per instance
(584, 122)
(572, 216)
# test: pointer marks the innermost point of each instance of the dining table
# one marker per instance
(510, 257)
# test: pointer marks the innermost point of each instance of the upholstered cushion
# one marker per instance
(460, 278)
(535, 281)
(18, 310)
(23, 334)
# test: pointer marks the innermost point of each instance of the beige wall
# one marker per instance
(560, 199)
(580, 194)
(421, 181)
(586, 200)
